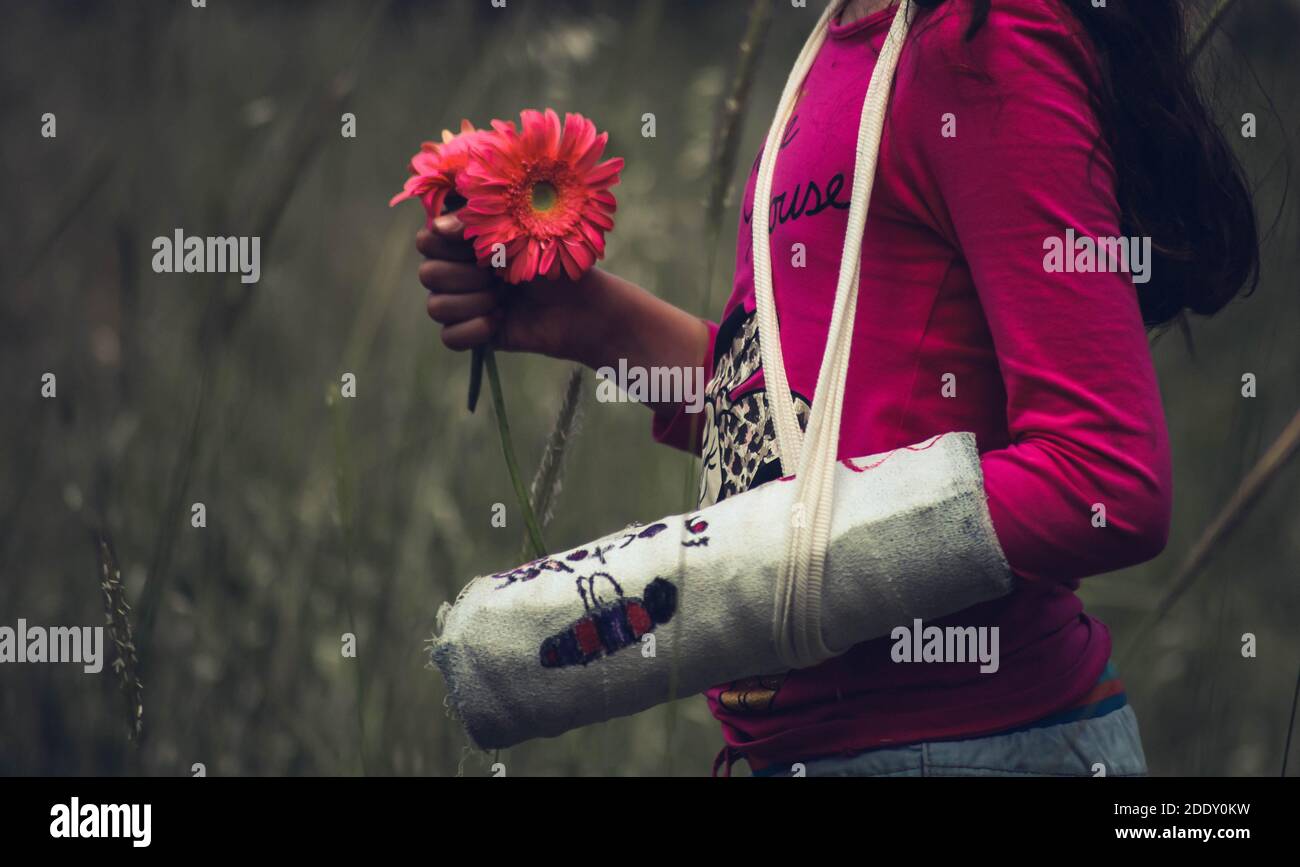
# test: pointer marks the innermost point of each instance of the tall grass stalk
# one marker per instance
(1290, 726)
(344, 492)
(1208, 28)
(1229, 518)
(547, 482)
(117, 618)
(725, 149)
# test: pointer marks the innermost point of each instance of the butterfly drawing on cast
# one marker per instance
(608, 626)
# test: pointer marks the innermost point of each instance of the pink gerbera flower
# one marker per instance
(542, 193)
(436, 167)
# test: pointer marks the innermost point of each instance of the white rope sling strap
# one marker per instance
(797, 627)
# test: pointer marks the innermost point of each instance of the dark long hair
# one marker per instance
(1178, 182)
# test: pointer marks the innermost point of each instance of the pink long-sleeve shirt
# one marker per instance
(991, 147)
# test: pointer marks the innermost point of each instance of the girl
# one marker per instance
(1048, 183)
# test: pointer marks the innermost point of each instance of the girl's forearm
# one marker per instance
(642, 330)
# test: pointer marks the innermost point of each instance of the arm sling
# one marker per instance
(781, 577)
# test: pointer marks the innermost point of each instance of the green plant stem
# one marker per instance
(475, 376)
(1212, 22)
(503, 428)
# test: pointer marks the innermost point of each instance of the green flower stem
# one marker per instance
(475, 376)
(503, 427)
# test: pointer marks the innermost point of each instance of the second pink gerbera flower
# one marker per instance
(435, 169)
(542, 194)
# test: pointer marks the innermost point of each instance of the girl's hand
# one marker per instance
(474, 306)
(597, 320)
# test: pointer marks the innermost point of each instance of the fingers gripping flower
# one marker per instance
(435, 169)
(541, 193)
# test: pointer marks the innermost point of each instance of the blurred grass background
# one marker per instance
(327, 516)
